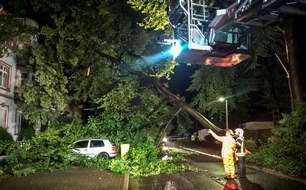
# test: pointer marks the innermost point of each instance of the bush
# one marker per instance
(286, 151)
(4, 135)
(141, 160)
(27, 132)
(49, 150)
(45, 151)
(250, 145)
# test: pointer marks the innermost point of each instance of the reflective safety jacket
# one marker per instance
(228, 146)
(240, 147)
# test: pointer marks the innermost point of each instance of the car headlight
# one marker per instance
(165, 139)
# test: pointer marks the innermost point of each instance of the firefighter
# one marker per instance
(227, 152)
(240, 153)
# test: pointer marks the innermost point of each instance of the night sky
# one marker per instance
(181, 80)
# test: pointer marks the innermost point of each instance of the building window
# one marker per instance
(18, 122)
(3, 116)
(4, 75)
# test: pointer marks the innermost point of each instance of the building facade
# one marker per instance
(12, 72)
(10, 79)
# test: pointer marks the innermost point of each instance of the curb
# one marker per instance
(260, 168)
(126, 182)
(277, 173)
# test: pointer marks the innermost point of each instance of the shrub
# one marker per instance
(141, 160)
(287, 148)
(4, 135)
(250, 145)
(45, 151)
(27, 132)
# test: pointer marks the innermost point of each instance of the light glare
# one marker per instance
(176, 50)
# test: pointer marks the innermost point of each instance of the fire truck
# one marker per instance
(209, 35)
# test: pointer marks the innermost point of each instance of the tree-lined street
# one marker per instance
(80, 69)
(210, 177)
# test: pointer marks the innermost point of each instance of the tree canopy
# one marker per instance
(81, 66)
(85, 51)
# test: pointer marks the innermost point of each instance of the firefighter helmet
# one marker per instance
(239, 132)
(230, 132)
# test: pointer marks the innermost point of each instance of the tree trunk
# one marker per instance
(182, 104)
(171, 97)
(293, 60)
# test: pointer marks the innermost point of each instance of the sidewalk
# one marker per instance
(78, 178)
(214, 154)
(75, 178)
(270, 171)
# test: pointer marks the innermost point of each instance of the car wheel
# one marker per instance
(103, 155)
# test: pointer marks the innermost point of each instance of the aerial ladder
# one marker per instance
(222, 37)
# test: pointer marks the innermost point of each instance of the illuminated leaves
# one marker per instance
(155, 12)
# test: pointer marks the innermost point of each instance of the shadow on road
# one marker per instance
(245, 184)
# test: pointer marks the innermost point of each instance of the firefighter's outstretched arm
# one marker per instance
(214, 135)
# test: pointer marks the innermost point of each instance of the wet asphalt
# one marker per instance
(210, 177)
(207, 158)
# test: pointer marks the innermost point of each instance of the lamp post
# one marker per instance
(226, 111)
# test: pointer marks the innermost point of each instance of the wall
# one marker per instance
(258, 125)
(258, 135)
(10, 116)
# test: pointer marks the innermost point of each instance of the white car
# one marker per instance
(95, 148)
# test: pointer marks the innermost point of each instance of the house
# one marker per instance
(258, 125)
(259, 131)
(10, 114)
(12, 72)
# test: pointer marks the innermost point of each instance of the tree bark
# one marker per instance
(182, 104)
(293, 60)
(171, 97)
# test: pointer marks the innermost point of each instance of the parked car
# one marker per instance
(95, 148)
(175, 138)
(202, 135)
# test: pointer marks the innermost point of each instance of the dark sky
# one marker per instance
(181, 80)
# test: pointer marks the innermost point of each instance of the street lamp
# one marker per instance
(226, 111)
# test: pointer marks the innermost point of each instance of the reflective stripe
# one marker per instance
(240, 154)
(241, 151)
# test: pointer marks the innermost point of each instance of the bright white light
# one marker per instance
(165, 139)
(221, 99)
(176, 49)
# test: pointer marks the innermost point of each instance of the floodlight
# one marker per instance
(176, 49)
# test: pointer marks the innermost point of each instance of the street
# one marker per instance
(209, 161)
(206, 158)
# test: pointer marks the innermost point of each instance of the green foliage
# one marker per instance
(286, 151)
(184, 123)
(154, 11)
(4, 135)
(27, 132)
(250, 145)
(75, 63)
(69, 46)
(268, 41)
(141, 160)
(16, 32)
(211, 83)
(50, 150)
(43, 152)
(269, 45)
(127, 114)
(37, 105)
